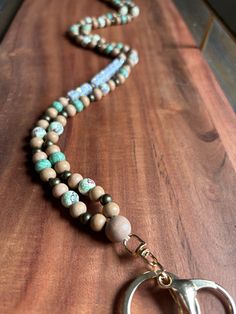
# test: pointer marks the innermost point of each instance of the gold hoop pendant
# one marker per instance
(183, 291)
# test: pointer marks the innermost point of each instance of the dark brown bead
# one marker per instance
(47, 144)
(65, 175)
(105, 199)
(92, 97)
(46, 117)
(64, 114)
(85, 218)
(36, 150)
(53, 182)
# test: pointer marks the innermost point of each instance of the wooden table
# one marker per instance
(163, 145)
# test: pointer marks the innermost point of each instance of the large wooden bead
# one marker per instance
(96, 193)
(47, 174)
(74, 180)
(118, 229)
(59, 189)
(97, 222)
(62, 166)
(111, 209)
(78, 209)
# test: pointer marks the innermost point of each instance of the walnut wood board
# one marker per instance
(163, 145)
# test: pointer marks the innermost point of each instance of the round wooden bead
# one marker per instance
(64, 101)
(74, 180)
(85, 100)
(69, 198)
(98, 94)
(86, 185)
(59, 189)
(61, 119)
(111, 84)
(111, 209)
(52, 112)
(47, 174)
(78, 209)
(52, 136)
(71, 110)
(121, 78)
(43, 123)
(62, 166)
(96, 193)
(36, 142)
(97, 222)
(52, 149)
(38, 156)
(118, 229)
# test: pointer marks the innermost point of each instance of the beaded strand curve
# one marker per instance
(49, 161)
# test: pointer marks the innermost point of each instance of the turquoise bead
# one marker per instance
(42, 164)
(86, 27)
(56, 157)
(38, 132)
(78, 105)
(109, 49)
(69, 198)
(74, 29)
(109, 15)
(124, 72)
(119, 45)
(57, 105)
(56, 127)
(86, 185)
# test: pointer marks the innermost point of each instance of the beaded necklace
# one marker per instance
(53, 168)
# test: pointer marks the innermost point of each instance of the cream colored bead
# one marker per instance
(111, 209)
(118, 228)
(62, 166)
(98, 94)
(61, 119)
(52, 136)
(52, 112)
(121, 78)
(43, 123)
(112, 85)
(115, 52)
(39, 156)
(52, 149)
(71, 110)
(128, 68)
(59, 189)
(96, 193)
(78, 209)
(47, 174)
(36, 142)
(85, 100)
(97, 222)
(74, 180)
(64, 101)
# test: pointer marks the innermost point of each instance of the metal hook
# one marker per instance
(183, 291)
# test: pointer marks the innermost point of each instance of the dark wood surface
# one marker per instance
(163, 145)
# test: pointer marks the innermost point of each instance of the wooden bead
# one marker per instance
(64, 101)
(96, 193)
(52, 136)
(47, 174)
(97, 222)
(70, 110)
(111, 84)
(59, 189)
(74, 180)
(118, 228)
(121, 78)
(85, 100)
(38, 156)
(78, 209)
(36, 142)
(98, 94)
(62, 166)
(52, 149)
(61, 119)
(111, 209)
(43, 123)
(52, 112)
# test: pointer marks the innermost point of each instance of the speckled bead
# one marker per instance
(56, 157)
(86, 185)
(118, 229)
(42, 164)
(38, 132)
(69, 198)
(56, 127)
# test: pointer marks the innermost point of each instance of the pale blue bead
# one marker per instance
(39, 132)
(88, 20)
(105, 88)
(85, 41)
(69, 198)
(101, 21)
(86, 185)
(56, 127)
(74, 29)
(123, 10)
(135, 11)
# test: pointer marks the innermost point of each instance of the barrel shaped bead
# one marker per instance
(56, 157)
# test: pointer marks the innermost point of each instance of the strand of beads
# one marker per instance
(49, 161)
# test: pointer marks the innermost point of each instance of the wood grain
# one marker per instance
(163, 145)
